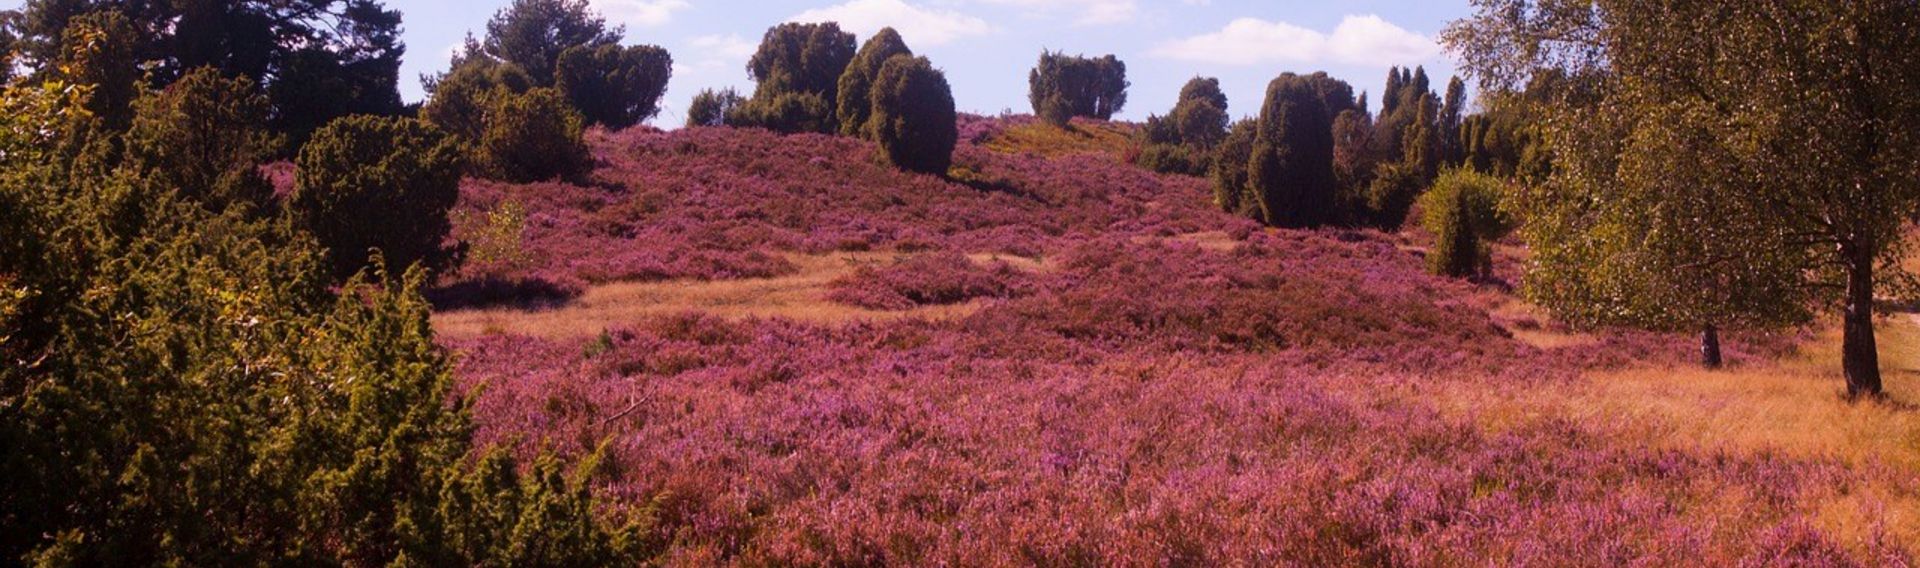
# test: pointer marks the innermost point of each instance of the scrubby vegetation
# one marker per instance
(253, 315)
(367, 183)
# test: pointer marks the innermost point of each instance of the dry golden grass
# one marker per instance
(799, 296)
(1084, 136)
(1218, 241)
(1532, 325)
(1793, 407)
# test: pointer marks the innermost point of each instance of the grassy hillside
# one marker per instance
(796, 355)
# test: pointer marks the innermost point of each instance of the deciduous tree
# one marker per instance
(1761, 154)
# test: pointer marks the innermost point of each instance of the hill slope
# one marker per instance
(796, 355)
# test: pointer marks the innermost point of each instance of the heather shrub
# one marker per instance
(712, 108)
(1462, 211)
(1063, 86)
(927, 280)
(855, 103)
(913, 119)
(533, 136)
(612, 85)
(205, 136)
(372, 183)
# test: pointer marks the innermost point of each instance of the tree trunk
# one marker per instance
(1859, 357)
(1710, 347)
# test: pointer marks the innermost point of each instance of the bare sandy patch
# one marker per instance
(799, 296)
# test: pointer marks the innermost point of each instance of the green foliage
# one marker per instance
(368, 182)
(1291, 167)
(1064, 86)
(612, 85)
(533, 136)
(856, 83)
(712, 108)
(913, 118)
(798, 68)
(205, 136)
(532, 34)
(1183, 141)
(100, 50)
(462, 96)
(316, 59)
(1175, 159)
(1715, 161)
(191, 392)
(1355, 166)
(494, 244)
(1463, 213)
(1231, 190)
(785, 112)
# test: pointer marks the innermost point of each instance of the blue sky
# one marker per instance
(986, 46)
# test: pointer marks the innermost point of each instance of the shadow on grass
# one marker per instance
(525, 293)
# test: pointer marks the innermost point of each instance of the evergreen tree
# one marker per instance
(855, 84)
(711, 108)
(314, 59)
(1061, 87)
(798, 69)
(614, 86)
(913, 118)
(531, 35)
(205, 137)
(377, 183)
(1291, 167)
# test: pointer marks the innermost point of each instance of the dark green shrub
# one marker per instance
(612, 85)
(1182, 142)
(461, 97)
(533, 136)
(913, 118)
(856, 84)
(368, 182)
(100, 50)
(1175, 159)
(711, 108)
(1230, 188)
(1462, 211)
(786, 113)
(197, 393)
(205, 136)
(1061, 87)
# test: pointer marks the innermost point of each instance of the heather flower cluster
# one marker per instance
(928, 280)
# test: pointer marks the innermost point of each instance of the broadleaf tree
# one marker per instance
(1758, 156)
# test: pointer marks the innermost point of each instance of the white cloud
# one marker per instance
(640, 13)
(1361, 40)
(730, 46)
(919, 26)
(1089, 12)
